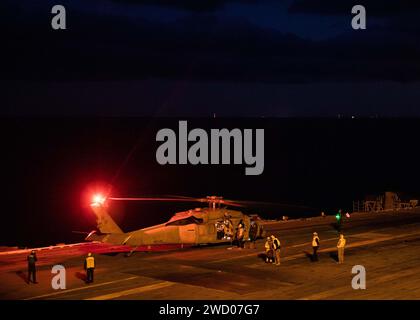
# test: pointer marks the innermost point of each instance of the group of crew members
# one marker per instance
(273, 245)
(272, 249)
(240, 234)
(89, 266)
(227, 232)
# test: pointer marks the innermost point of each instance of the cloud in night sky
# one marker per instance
(105, 46)
(206, 47)
(190, 5)
(383, 8)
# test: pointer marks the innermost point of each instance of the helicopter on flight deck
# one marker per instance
(209, 225)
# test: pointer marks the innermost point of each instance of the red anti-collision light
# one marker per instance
(98, 200)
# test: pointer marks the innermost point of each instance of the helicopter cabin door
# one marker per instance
(188, 233)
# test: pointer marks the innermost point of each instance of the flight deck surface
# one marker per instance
(386, 244)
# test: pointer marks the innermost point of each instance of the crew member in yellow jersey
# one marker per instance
(89, 267)
(340, 248)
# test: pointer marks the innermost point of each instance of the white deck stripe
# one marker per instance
(78, 289)
(119, 294)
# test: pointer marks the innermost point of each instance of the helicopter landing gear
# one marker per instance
(128, 254)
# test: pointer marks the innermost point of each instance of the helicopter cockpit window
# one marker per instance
(183, 222)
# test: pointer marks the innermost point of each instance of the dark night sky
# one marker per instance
(231, 57)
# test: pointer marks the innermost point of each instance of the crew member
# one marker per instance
(253, 234)
(315, 246)
(340, 248)
(32, 259)
(269, 250)
(220, 227)
(228, 229)
(240, 232)
(276, 247)
(89, 267)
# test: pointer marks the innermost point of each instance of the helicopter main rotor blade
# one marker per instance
(232, 204)
(246, 203)
(153, 199)
(227, 202)
(176, 199)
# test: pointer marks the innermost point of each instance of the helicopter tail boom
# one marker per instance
(104, 221)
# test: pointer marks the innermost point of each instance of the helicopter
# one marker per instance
(213, 224)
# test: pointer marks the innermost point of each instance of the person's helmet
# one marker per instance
(272, 236)
(315, 234)
(268, 238)
(33, 251)
(89, 254)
